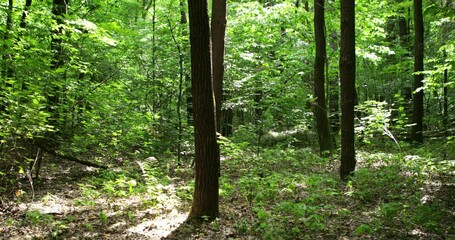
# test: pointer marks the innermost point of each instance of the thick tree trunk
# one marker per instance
(417, 128)
(320, 110)
(207, 158)
(347, 78)
(218, 27)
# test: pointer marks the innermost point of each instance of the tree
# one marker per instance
(218, 30)
(28, 4)
(207, 156)
(417, 109)
(59, 9)
(7, 70)
(320, 109)
(347, 78)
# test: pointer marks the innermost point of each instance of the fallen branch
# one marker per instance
(69, 158)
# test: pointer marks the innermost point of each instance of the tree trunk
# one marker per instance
(320, 110)
(228, 116)
(334, 109)
(7, 70)
(445, 120)
(347, 78)
(207, 158)
(403, 31)
(218, 27)
(417, 128)
(180, 92)
(27, 5)
(59, 9)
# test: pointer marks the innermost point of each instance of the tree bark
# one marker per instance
(417, 128)
(207, 158)
(218, 30)
(347, 78)
(320, 109)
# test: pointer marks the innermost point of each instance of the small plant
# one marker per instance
(242, 226)
(35, 217)
(363, 229)
(103, 217)
(131, 216)
(389, 210)
(88, 226)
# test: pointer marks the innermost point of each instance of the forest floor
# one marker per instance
(276, 194)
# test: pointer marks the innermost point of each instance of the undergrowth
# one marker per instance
(270, 193)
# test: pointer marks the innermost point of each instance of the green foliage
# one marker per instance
(35, 217)
(116, 102)
(363, 229)
(103, 217)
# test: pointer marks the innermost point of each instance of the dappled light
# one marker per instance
(229, 120)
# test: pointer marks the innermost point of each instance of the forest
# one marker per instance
(242, 119)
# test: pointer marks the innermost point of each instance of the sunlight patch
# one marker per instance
(161, 226)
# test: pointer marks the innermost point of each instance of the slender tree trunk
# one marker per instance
(180, 92)
(417, 128)
(403, 31)
(445, 99)
(183, 75)
(218, 30)
(189, 99)
(7, 70)
(28, 4)
(59, 9)
(146, 4)
(320, 109)
(207, 156)
(228, 116)
(347, 78)
(334, 93)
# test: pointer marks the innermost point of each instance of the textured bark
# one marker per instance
(347, 78)
(218, 27)
(320, 109)
(207, 158)
(417, 110)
